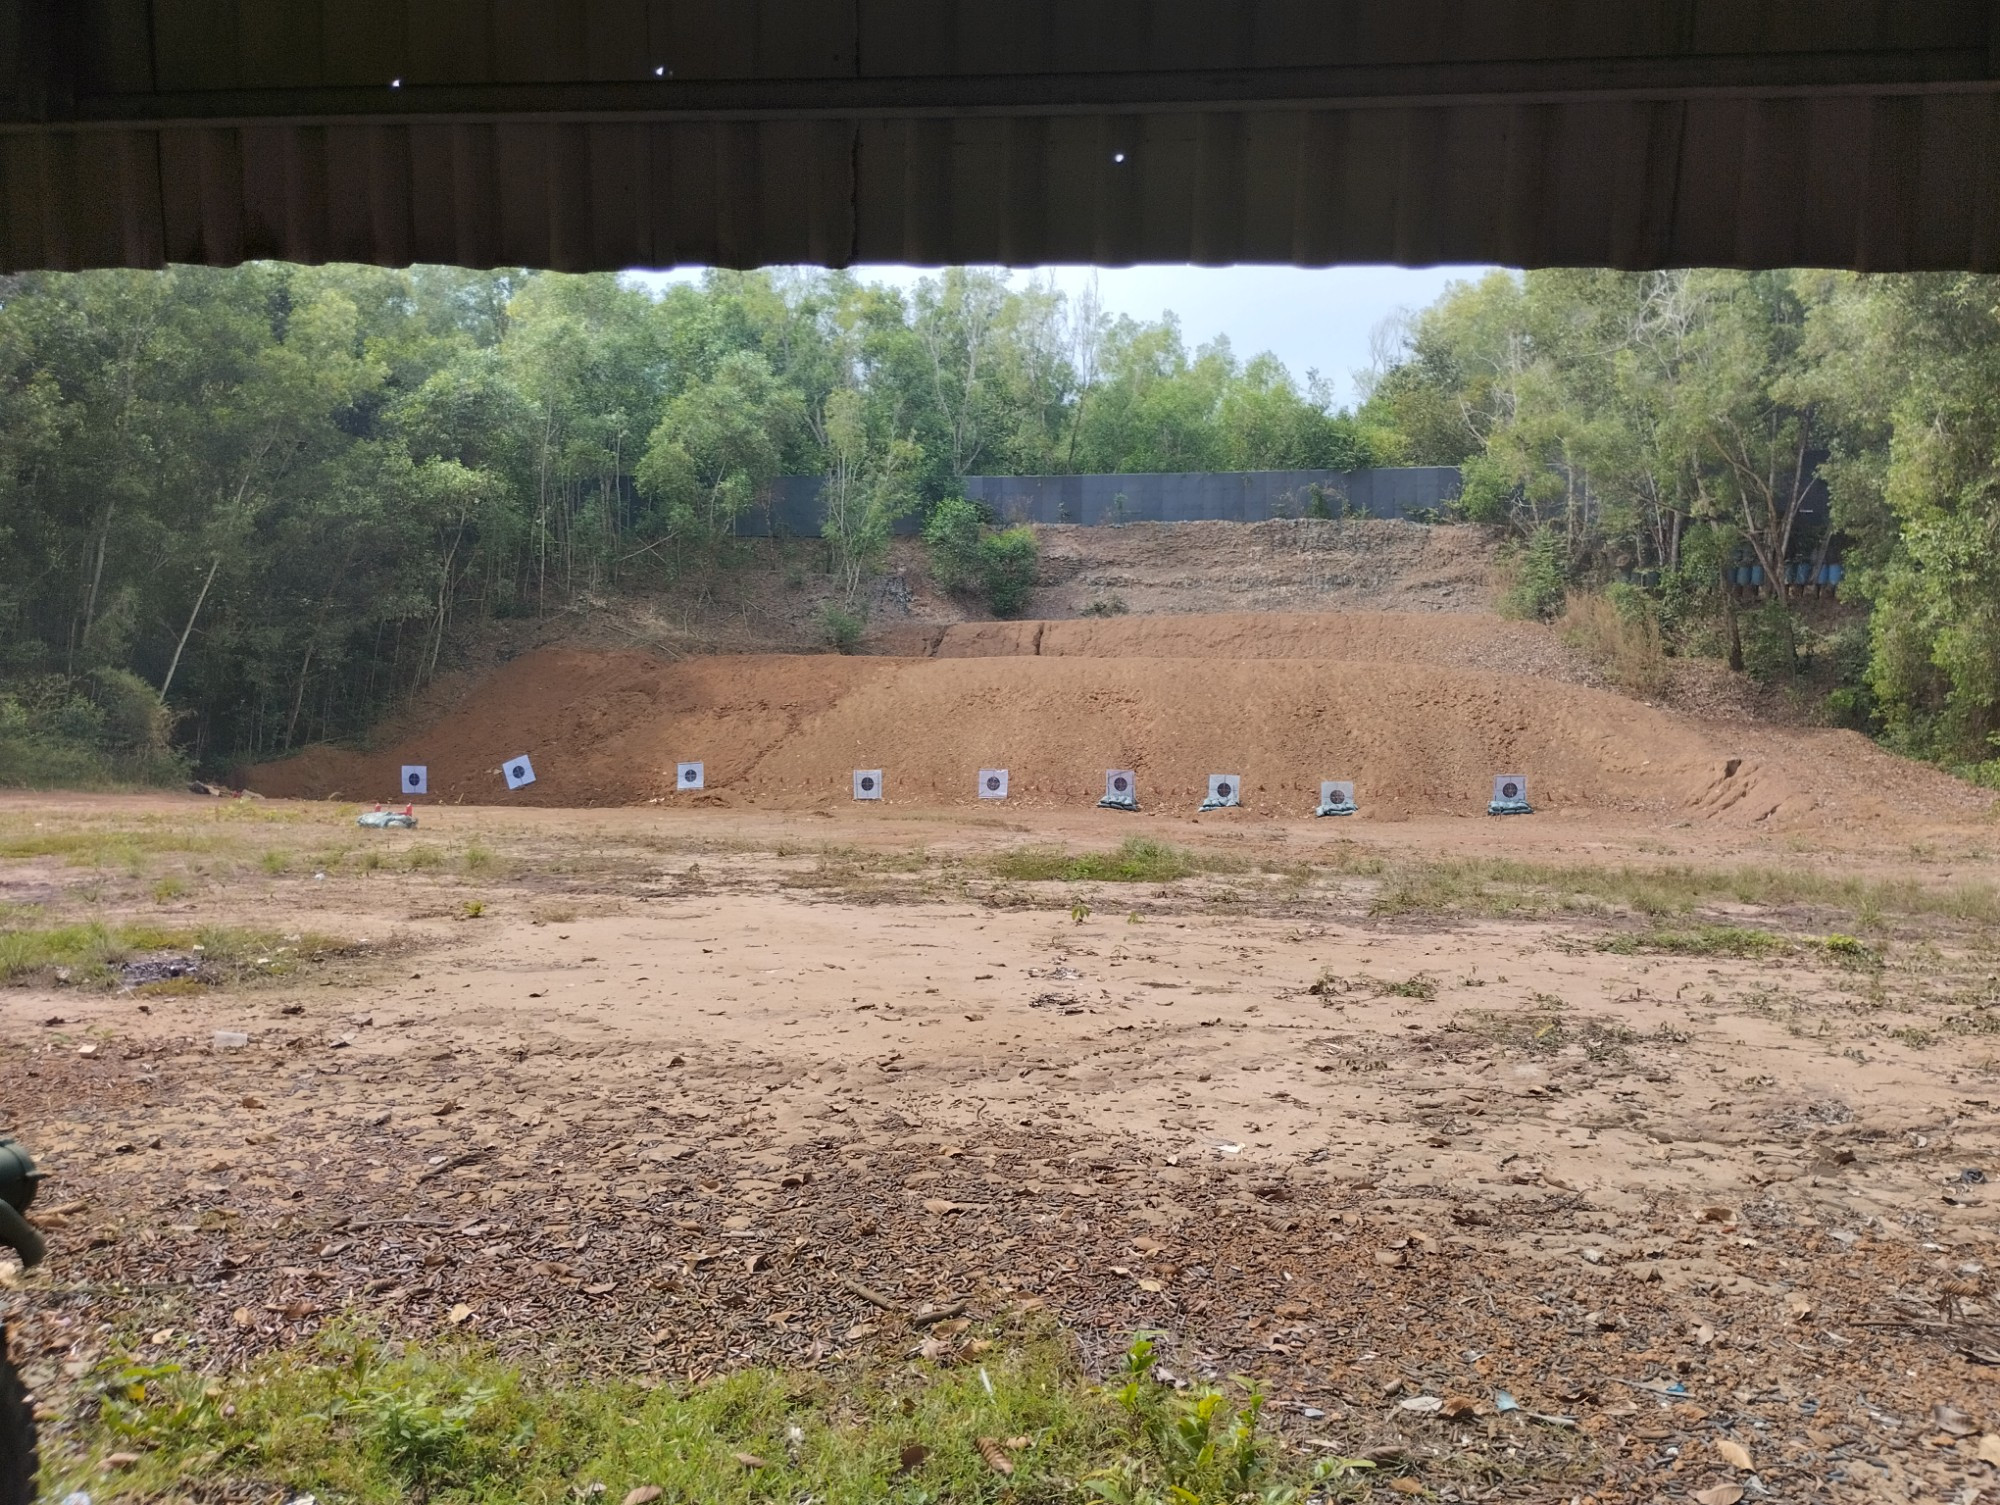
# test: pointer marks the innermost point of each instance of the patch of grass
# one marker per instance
(422, 857)
(1138, 859)
(1851, 952)
(100, 847)
(331, 860)
(553, 914)
(1547, 1033)
(169, 888)
(1742, 941)
(478, 859)
(1503, 886)
(93, 951)
(1420, 986)
(472, 909)
(352, 1418)
(1704, 940)
(90, 950)
(275, 860)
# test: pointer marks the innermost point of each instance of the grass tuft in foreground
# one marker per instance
(354, 1418)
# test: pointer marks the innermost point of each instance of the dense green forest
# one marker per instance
(1670, 425)
(241, 510)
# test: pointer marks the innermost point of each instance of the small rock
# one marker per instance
(1951, 1419)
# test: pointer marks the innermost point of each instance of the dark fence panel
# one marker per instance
(1244, 496)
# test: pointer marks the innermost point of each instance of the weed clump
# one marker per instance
(349, 1416)
(1138, 859)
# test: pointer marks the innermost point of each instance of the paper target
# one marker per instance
(993, 783)
(1225, 789)
(868, 783)
(416, 779)
(519, 771)
(1120, 784)
(690, 776)
(1509, 789)
(1336, 794)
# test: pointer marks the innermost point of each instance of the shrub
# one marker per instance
(951, 535)
(106, 728)
(1487, 491)
(841, 628)
(1771, 643)
(1541, 576)
(1007, 563)
(968, 558)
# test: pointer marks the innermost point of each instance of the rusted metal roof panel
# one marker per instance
(589, 134)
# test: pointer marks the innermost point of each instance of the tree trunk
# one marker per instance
(96, 578)
(299, 699)
(167, 683)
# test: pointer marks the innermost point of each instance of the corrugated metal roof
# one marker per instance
(591, 134)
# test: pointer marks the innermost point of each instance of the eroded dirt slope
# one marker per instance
(786, 731)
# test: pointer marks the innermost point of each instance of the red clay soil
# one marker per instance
(1176, 699)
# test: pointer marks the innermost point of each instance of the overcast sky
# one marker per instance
(1311, 320)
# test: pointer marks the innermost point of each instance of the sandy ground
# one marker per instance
(691, 1077)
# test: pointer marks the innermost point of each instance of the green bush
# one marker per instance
(1541, 577)
(1693, 597)
(968, 558)
(107, 728)
(1486, 491)
(1771, 643)
(1852, 707)
(951, 535)
(841, 628)
(1007, 563)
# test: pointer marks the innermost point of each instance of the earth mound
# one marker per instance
(1175, 699)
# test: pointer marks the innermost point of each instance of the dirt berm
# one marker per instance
(1175, 699)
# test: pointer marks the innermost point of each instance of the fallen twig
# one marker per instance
(872, 1297)
(452, 1164)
